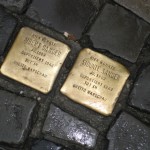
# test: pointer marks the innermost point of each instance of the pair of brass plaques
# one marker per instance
(95, 81)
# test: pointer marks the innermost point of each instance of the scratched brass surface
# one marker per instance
(35, 59)
(95, 81)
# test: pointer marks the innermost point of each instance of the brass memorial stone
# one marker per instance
(95, 81)
(35, 59)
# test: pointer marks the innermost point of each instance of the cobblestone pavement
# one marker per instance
(119, 29)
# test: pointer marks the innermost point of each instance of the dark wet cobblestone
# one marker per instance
(140, 95)
(64, 16)
(45, 145)
(119, 31)
(30, 120)
(15, 115)
(139, 7)
(128, 133)
(15, 5)
(7, 26)
(67, 127)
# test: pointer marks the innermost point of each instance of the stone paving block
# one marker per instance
(139, 7)
(7, 148)
(120, 32)
(45, 145)
(7, 26)
(1, 148)
(140, 95)
(64, 126)
(65, 16)
(14, 5)
(144, 57)
(128, 133)
(15, 117)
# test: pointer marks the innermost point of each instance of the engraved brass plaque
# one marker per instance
(95, 81)
(35, 59)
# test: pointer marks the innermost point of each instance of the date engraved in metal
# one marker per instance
(35, 59)
(95, 81)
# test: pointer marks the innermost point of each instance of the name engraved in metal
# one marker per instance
(95, 81)
(35, 59)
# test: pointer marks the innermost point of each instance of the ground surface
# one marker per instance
(120, 30)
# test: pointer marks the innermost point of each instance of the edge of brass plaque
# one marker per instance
(100, 106)
(6, 68)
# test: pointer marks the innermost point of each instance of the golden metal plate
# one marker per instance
(95, 81)
(35, 59)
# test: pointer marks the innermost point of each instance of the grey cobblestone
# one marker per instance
(139, 7)
(67, 127)
(7, 26)
(15, 116)
(14, 5)
(119, 32)
(128, 133)
(63, 15)
(45, 145)
(140, 96)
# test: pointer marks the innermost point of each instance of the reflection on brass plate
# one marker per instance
(35, 59)
(95, 81)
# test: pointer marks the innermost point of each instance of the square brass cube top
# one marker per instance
(35, 59)
(95, 81)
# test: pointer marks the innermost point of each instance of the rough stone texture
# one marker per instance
(7, 26)
(140, 95)
(65, 16)
(15, 116)
(97, 121)
(139, 7)
(128, 133)
(14, 5)
(67, 127)
(20, 89)
(6, 148)
(45, 145)
(148, 40)
(120, 32)
(2, 148)
(144, 57)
